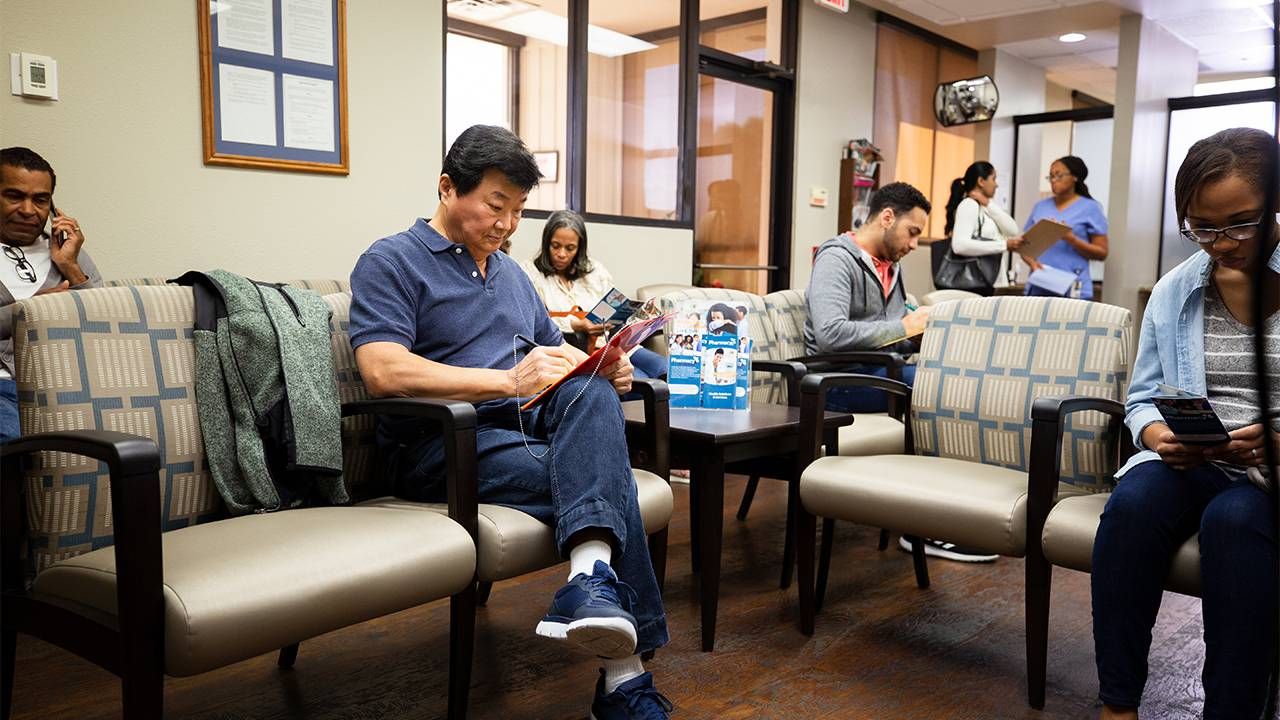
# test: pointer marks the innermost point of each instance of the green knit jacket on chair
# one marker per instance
(266, 393)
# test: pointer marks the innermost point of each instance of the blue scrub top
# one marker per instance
(1086, 218)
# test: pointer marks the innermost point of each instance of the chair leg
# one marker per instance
(884, 540)
(918, 559)
(1039, 580)
(789, 541)
(462, 633)
(482, 593)
(658, 557)
(142, 688)
(824, 560)
(748, 495)
(288, 656)
(8, 652)
(806, 528)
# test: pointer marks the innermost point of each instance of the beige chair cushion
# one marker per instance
(872, 434)
(244, 586)
(513, 543)
(966, 503)
(1072, 526)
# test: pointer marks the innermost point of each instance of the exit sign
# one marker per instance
(840, 5)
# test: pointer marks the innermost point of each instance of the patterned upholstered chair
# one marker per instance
(510, 543)
(135, 564)
(974, 472)
(941, 296)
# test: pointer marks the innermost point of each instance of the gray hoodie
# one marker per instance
(847, 309)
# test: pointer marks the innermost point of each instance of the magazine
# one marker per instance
(1189, 416)
(614, 309)
(621, 343)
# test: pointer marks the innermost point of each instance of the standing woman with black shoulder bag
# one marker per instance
(980, 231)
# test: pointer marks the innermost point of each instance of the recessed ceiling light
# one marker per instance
(1071, 37)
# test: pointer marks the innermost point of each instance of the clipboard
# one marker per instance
(897, 340)
(1042, 236)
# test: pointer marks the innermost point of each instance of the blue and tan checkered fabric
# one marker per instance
(359, 449)
(787, 313)
(984, 361)
(135, 282)
(765, 387)
(109, 359)
(123, 359)
(322, 286)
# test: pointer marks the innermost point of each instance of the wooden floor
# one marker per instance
(883, 649)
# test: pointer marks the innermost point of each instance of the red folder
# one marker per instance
(621, 343)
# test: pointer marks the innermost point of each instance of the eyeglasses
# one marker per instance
(1057, 176)
(1209, 236)
(19, 258)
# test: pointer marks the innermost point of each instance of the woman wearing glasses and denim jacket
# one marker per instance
(32, 264)
(1197, 335)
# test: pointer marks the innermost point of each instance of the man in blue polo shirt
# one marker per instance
(438, 311)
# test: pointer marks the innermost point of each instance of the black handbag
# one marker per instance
(960, 272)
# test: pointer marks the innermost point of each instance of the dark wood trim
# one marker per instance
(483, 32)
(735, 68)
(782, 167)
(1082, 100)
(687, 107)
(624, 220)
(1094, 113)
(897, 23)
(576, 143)
(444, 80)
(739, 18)
(1235, 98)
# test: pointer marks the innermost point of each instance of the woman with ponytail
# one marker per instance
(980, 232)
(1072, 205)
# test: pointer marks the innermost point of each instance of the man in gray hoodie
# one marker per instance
(857, 302)
(856, 298)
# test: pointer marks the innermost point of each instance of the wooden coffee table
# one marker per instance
(705, 441)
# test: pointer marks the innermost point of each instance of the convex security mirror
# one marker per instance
(966, 101)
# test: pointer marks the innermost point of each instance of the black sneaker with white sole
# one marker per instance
(950, 551)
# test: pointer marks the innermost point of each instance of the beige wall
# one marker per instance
(128, 154)
(634, 255)
(835, 78)
(1154, 66)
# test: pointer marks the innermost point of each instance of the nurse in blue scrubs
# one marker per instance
(1071, 204)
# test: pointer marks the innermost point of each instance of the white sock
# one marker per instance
(617, 672)
(583, 557)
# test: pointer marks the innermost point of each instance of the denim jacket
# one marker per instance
(1171, 346)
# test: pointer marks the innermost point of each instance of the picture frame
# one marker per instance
(548, 164)
(273, 84)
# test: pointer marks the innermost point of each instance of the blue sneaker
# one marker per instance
(589, 611)
(635, 699)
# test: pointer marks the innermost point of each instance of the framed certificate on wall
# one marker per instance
(273, 84)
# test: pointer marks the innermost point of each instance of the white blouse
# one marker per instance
(997, 227)
(560, 295)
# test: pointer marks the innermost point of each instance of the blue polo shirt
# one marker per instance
(420, 290)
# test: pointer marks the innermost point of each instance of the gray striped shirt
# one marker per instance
(1229, 378)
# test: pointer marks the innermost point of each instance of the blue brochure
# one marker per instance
(719, 370)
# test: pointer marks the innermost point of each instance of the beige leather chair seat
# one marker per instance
(967, 503)
(512, 543)
(1070, 530)
(872, 434)
(248, 585)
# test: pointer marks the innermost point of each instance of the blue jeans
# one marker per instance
(648, 364)
(582, 480)
(865, 399)
(9, 428)
(1153, 510)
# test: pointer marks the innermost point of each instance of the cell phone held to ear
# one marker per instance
(59, 237)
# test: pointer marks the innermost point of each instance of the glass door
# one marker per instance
(732, 207)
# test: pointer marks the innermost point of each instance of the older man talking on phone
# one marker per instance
(36, 260)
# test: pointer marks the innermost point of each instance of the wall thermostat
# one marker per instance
(34, 75)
